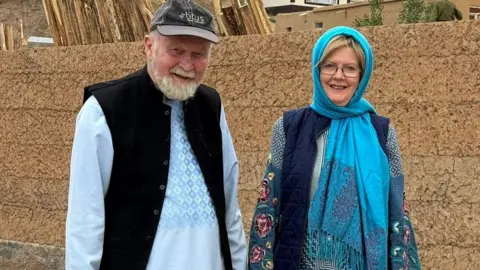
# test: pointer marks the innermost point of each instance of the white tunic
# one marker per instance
(187, 235)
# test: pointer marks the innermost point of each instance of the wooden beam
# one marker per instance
(220, 18)
(3, 41)
(248, 18)
(52, 22)
(241, 28)
(107, 34)
(136, 25)
(9, 38)
(76, 36)
(57, 14)
(261, 17)
(22, 34)
(81, 22)
(145, 11)
(74, 22)
(113, 18)
(67, 22)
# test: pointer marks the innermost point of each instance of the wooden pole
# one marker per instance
(3, 42)
(220, 18)
(67, 22)
(9, 38)
(126, 35)
(77, 37)
(261, 17)
(92, 26)
(74, 22)
(265, 18)
(248, 18)
(242, 30)
(136, 21)
(57, 14)
(113, 17)
(52, 22)
(145, 12)
(16, 42)
(23, 40)
(81, 22)
(106, 31)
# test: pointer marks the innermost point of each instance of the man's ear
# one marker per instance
(148, 46)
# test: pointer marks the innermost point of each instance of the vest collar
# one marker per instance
(320, 122)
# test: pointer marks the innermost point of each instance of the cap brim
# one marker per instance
(177, 30)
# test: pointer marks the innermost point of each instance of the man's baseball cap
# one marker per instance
(184, 17)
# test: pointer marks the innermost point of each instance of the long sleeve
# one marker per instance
(235, 229)
(402, 245)
(265, 218)
(90, 168)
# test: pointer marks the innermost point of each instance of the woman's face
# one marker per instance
(340, 75)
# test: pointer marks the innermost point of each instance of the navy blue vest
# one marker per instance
(302, 126)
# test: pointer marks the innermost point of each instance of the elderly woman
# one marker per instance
(332, 194)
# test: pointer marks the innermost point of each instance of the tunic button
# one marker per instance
(165, 162)
(162, 187)
(167, 112)
(156, 212)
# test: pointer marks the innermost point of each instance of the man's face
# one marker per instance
(177, 63)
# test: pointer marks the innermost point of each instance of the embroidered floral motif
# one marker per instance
(268, 265)
(274, 201)
(262, 233)
(403, 246)
(395, 227)
(395, 251)
(256, 254)
(264, 192)
(407, 235)
(263, 224)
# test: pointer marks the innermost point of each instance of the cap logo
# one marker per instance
(191, 17)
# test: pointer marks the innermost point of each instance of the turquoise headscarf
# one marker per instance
(348, 216)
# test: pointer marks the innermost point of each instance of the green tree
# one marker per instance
(415, 11)
(374, 18)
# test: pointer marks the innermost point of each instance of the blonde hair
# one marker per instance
(342, 41)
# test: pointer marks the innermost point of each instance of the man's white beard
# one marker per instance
(176, 91)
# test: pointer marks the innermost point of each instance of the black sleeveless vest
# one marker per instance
(139, 123)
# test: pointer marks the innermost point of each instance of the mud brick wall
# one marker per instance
(426, 79)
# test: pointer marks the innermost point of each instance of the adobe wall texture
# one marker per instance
(427, 80)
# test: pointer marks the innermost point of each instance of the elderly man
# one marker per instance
(154, 173)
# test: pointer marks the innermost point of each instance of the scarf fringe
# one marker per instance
(326, 248)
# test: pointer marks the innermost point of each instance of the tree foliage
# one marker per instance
(415, 11)
(374, 18)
